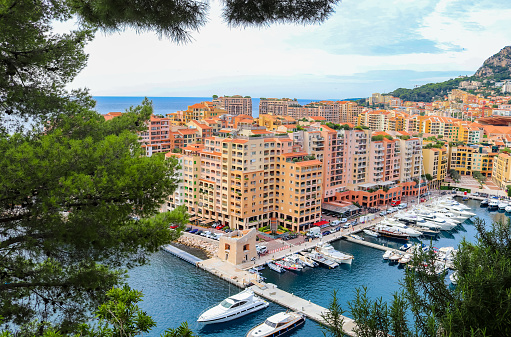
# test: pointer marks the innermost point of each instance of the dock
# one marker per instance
(368, 244)
(313, 311)
(181, 254)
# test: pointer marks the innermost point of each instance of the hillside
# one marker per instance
(497, 68)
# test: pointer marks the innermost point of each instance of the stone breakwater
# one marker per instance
(210, 248)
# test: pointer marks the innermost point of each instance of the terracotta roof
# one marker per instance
(240, 141)
(197, 106)
(187, 131)
(309, 163)
(260, 132)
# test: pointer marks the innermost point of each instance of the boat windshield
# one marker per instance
(227, 303)
(269, 323)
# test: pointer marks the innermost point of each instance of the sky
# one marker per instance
(366, 46)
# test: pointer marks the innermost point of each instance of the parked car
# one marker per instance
(220, 226)
(199, 232)
(346, 225)
(382, 213)
(188, 229)
(326, 233)
(343, 220)
(193, 231)
(174, 226)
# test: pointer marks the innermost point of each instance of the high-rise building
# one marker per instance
(234, 105)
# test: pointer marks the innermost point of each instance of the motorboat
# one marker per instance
(406, 246)
(288, 265)
(493, 204)
(508, 209)
(278, 325)
(319, 258)
(387, 254)
(391, 232)
(371, 233)
(294, 259)
(329, 252)
(502, 205)
(484, 203)
(357, 237)
(395, 257)
(233, 307)
(405, 259)
(308, 261)
(441, 222)
(274, 267)
(402, 227)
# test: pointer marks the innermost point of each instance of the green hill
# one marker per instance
(496, 68)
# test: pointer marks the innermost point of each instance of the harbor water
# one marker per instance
(176, 291)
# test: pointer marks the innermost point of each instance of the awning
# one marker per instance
(193, 218)
(321, 223)
(209, 221)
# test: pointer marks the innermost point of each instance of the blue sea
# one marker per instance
(166, 105)
(175, 291)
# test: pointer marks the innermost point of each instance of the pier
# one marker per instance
(368, 244)
(311, 310)
(181, 254)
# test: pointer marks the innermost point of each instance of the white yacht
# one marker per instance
(233, 307)
(503, 205)
(508, 209)
(329, 252)
(402, 227)
(371, 233)
(493, 204)
(387, 254)
(278, 324)
(442, 222)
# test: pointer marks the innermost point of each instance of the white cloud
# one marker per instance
(286, 59)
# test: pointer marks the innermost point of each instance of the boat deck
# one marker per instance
(295, 303)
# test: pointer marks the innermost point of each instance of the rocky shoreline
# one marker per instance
(211, 249)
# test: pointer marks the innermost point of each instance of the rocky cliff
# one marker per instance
(498, 65)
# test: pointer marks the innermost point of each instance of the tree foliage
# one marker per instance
(429, 92)
(478, 305)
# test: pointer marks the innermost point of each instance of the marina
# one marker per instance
(311, 284)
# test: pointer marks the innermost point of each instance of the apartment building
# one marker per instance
(333, 111)
(156, 138)
(251, 182)
(335, 171)
(198, 111)
(409, 150)
(234, 105)
(175, 199)
(461, 159)
(385, 159)
(435, 164)
(482, 159)
(502, 170)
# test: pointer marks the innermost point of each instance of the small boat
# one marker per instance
(357, 237)
(233, 307)
(308, 261)
(387, 254)
(405, 259)
(329, 252)
(493, 204)
(406, 246)
(484, 203)
(371, 233)
(274, 267)
(288, 265)
(508, 209)
(395, 257)
(502, 205)
(278, 325)
(319, 258)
